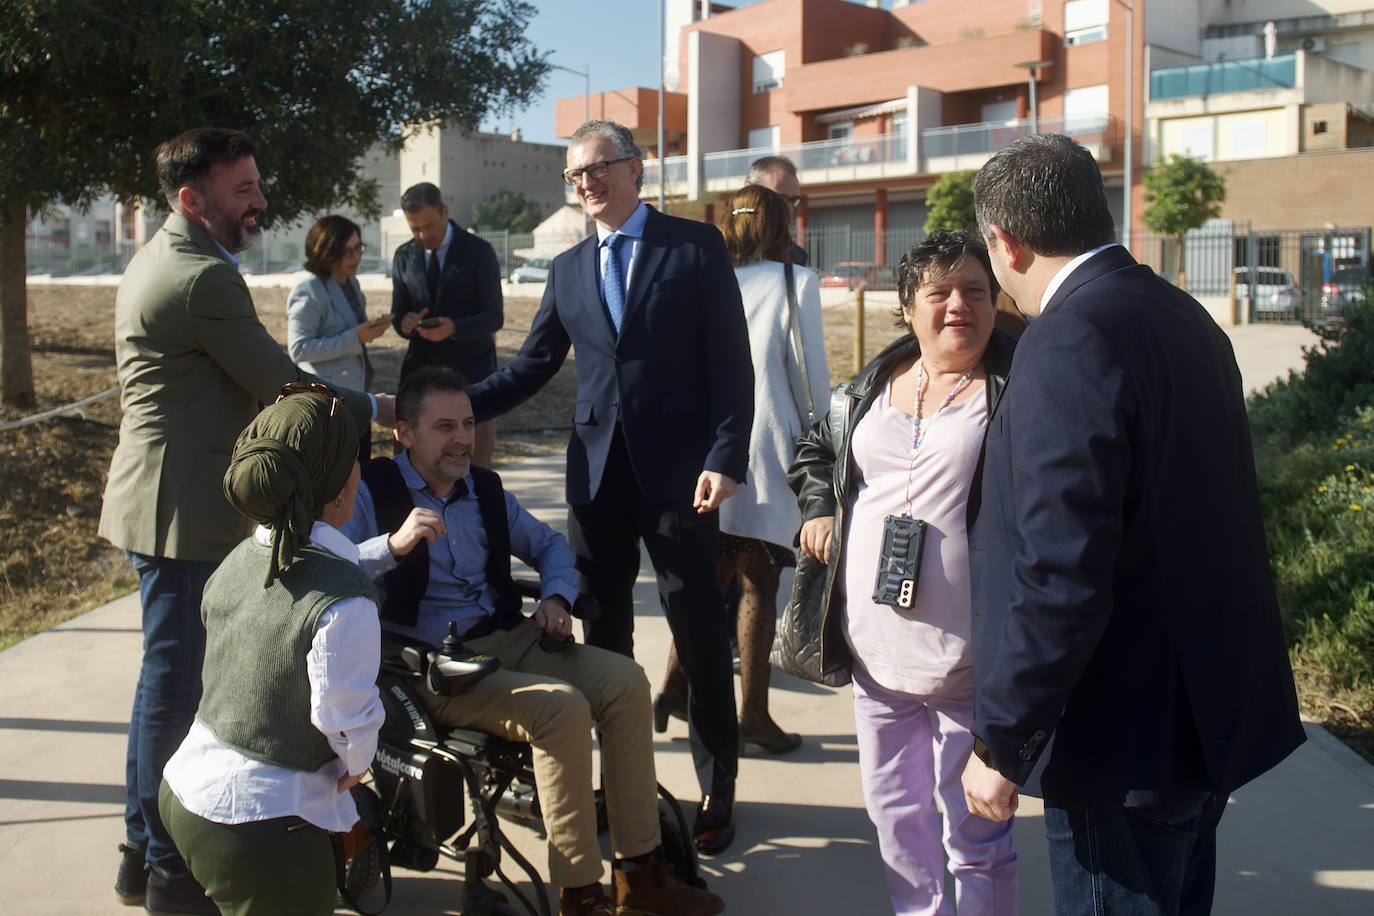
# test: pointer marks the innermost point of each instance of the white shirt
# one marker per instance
(1063, 274)
(223, 785)
(442, 251)
(633, 230)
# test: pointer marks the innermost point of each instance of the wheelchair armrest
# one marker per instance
(405, 654)
(586, 607)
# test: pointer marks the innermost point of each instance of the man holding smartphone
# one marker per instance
(446, 298)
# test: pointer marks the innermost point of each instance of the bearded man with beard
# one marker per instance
(194, 365)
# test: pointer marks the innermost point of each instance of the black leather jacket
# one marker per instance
(825, 486)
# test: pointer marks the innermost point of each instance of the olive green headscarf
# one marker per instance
(291, 461)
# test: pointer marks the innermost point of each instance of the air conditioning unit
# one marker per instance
(1314, 44)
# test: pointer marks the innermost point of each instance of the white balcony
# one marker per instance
(941, 149)
(675, 169)
(968, 146)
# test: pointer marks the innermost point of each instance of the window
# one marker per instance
(768, 70)
(1085, 21)
(763, 138)
(1318, 127)
(1248, 139)
(1195, 141)
(999, 112)
(898, 148)
(1085, 109)
(841, 131)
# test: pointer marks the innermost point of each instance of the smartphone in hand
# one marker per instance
(429, 322)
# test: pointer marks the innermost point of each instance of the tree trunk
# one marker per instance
(1182, 265)
(16, 367)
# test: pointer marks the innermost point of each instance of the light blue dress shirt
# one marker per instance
(458, 589)
(633, 231)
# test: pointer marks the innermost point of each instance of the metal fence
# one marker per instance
(1267, 275)
(1297, 275)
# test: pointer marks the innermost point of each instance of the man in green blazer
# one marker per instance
(194, 366)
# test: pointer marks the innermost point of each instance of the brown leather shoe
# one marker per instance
(585, 901)
(651, 890)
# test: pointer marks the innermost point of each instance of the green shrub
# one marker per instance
(1337, 381)
(1314, 453)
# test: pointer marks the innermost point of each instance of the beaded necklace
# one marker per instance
(920, 429)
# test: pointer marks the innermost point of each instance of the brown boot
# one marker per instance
(651, 890)
(585, 901)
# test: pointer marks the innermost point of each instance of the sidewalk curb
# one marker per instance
(1339, 751)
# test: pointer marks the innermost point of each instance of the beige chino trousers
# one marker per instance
(552, 700)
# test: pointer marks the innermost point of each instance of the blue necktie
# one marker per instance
(613, 281)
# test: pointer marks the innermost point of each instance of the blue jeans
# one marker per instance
(1152, 859)
(165, 698)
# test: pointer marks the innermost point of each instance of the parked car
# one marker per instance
(852, 275)
(535, 270)
(1275, 291)
(1346, 287)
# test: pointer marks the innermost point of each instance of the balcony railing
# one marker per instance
(1258, 73)
(941, 149)
(817, 154)
(674, 171)
(990, 136)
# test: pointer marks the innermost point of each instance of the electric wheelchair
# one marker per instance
(442, 792)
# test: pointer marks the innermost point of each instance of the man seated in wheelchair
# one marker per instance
(437, 534)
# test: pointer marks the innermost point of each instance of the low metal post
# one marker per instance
(858, 330)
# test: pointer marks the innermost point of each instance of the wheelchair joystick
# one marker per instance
(453, 643)
(455, 669)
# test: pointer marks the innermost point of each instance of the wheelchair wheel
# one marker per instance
(364, 870)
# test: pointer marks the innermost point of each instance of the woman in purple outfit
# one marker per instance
(899, 616)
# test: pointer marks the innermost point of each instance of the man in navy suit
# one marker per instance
(660, 431)
(446, 298)
(1129, 660)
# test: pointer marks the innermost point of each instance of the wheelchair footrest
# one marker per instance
(487, 748)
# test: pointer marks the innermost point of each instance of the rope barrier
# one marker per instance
(56, 411)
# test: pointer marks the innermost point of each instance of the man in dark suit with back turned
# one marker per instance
(1129, 660)
(446, 298)
(660, 430)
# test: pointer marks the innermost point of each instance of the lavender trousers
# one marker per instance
(912, 751)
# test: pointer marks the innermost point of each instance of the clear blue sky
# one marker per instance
(618, 39)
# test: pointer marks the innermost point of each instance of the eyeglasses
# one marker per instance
(595, 172)
(355, 249)
(323, 391)
(795, 201)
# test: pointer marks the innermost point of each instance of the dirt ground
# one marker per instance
(54, 566)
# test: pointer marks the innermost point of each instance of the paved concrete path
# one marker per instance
(1298, 840)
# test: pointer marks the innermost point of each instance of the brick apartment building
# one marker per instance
(874, 104)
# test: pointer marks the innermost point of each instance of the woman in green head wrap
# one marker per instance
(289, 716)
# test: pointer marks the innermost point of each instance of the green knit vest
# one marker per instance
(256, 695)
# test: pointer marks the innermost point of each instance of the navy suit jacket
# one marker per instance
(678, 377)
(469, 293)
(1123, 602)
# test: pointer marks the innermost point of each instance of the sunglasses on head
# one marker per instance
(322, 390)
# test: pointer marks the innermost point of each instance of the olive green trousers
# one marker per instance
(261, 868)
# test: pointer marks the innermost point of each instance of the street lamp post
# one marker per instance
(1034, 67)
(1127, 154)
(662, 166)
(586, 87)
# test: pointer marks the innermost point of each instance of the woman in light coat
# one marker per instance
(759, 523)
(327, 329)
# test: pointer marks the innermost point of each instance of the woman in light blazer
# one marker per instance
(759, 524)
(327, 329)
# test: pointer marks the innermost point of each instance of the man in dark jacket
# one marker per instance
(660, 432)
(1129, 660)
(446, 298)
